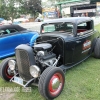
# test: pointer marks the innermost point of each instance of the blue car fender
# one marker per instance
(31, 43)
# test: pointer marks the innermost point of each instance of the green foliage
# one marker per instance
(10, 9)
(33, 7)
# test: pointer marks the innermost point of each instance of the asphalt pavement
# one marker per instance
(35, 26)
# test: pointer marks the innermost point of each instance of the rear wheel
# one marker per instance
(97, 48)
(51, 82)
(5, 71)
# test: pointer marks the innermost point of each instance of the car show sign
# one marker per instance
(86, 46)
(48, 12)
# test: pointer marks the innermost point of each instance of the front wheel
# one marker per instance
(51, 82)
(5, 71)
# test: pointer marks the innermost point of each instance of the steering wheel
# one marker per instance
(1, 33)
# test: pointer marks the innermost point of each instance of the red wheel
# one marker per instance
(55, 84)
(51, 82)
(5, 71)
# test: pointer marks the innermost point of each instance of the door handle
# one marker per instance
(78, 41)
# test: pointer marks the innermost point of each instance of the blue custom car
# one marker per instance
(13, 35)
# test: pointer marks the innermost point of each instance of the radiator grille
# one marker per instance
(23, 63)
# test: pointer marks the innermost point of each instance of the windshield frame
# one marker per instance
(55, 30)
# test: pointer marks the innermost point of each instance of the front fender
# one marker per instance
(31, 43)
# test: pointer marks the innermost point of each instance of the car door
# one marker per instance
(83, 41)
(9, 39)
(82, 48)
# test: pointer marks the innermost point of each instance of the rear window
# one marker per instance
(85, 26)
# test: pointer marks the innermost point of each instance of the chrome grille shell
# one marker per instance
(24, 58)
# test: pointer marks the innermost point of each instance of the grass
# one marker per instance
(82, 82)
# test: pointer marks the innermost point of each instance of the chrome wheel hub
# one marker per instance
(10, 72)
(55, 83)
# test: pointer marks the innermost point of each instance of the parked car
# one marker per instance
(13, 35)
(63, 43)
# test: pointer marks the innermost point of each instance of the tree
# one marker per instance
(10, 9)
(33, 7)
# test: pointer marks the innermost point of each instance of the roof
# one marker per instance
(74, 20)
(17, 27)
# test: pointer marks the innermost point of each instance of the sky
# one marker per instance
(44, 0)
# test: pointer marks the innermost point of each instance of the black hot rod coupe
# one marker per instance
(62, 44)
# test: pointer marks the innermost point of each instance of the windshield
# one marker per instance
(57, 27)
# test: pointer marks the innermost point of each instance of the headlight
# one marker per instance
(12, 64)
(35, 71)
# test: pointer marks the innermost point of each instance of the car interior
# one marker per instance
(7, 31)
